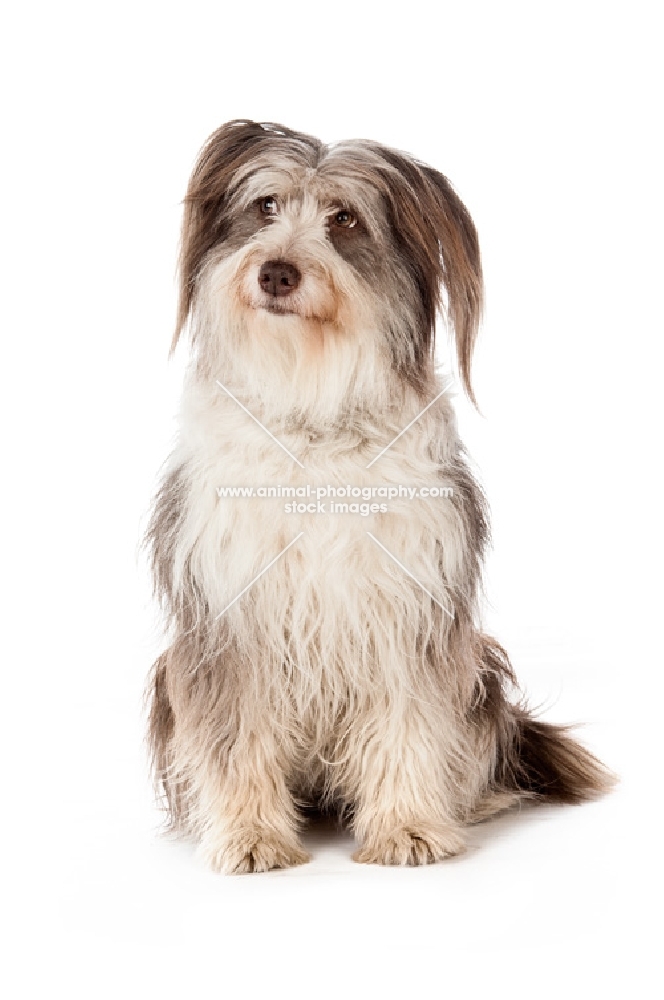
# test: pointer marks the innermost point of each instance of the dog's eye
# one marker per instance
(268, 206)
(345, 219)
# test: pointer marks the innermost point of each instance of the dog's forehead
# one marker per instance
(342, 176)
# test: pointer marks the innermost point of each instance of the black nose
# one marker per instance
(278, 277)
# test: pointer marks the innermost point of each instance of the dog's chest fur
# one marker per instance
(335, 609)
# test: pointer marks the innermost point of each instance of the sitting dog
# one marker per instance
(330, 655)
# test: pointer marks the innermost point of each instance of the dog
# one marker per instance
(321, 658)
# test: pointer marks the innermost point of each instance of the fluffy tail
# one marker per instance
(544, 762)
(534, 760)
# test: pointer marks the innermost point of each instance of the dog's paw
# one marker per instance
(254, 851)
(410, 845)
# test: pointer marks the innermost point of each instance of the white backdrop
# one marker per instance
(547, 118)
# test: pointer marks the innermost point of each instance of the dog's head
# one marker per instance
(301, 240)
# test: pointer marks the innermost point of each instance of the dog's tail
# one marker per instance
(533, 759)
(543, 761)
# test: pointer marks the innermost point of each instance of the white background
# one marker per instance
(547, 118)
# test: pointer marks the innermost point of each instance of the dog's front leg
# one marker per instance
(248, 818)
(402, 812)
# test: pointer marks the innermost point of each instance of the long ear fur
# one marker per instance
(228, 149)
(462, 277)
(439, 240)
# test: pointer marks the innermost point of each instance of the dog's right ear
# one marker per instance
(224, 153)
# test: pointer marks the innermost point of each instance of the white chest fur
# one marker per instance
(346, 573)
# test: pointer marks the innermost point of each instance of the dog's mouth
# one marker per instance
(278, 308)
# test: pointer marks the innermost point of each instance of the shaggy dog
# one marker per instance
(321, 654)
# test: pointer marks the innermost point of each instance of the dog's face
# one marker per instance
(303, 243)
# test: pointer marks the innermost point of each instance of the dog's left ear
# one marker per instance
(438, 238)
(461, 265)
